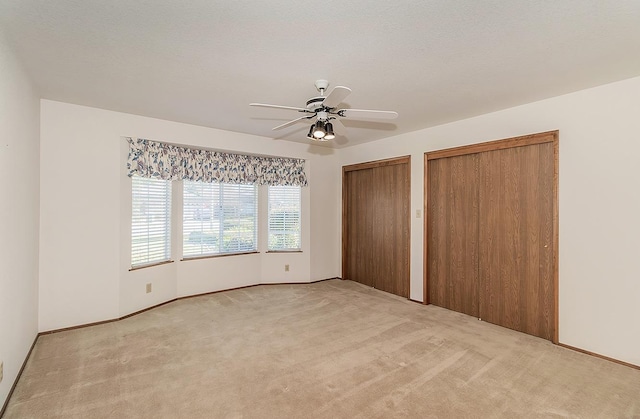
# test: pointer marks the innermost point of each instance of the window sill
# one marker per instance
(164, 262)
(219, 255)
(285, 251)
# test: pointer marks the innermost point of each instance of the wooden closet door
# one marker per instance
(453, 233)
(359, 233)
(516, 240)
(376, 217)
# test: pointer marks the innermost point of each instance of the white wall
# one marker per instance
(599, 277)
(86, 212)
(19, 168)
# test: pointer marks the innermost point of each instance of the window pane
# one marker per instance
(219, 218)
(284, 217)
(150, 221)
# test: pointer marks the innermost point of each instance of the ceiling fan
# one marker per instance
(327, 114)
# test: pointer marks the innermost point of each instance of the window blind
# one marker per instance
(150, 221)
(219, 218)
(284, 218)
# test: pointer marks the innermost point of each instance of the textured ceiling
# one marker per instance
(203, 61)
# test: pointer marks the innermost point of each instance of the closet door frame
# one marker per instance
(540, 138)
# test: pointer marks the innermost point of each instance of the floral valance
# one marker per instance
(170, 162)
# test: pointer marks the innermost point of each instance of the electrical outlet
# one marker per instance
(286, 268)
(148, 287)
(418, 213)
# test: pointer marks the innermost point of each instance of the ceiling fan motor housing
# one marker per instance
(315, 103)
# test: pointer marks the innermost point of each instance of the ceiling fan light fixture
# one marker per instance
(329, 131)
(318, 130)
(310, 134)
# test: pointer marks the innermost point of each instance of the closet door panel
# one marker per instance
(391, 232)
(515, 238)
(376, 225)
(453, 233)
(438, 238)
(545, 322)
(360, 234)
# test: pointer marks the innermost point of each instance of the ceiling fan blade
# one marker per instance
(337, 95)
(338, 127)
(367, 114)
(266, 105)
(286, 124)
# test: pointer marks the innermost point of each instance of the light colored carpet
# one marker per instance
(334, 349)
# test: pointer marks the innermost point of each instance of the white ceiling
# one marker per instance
(203, 61)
